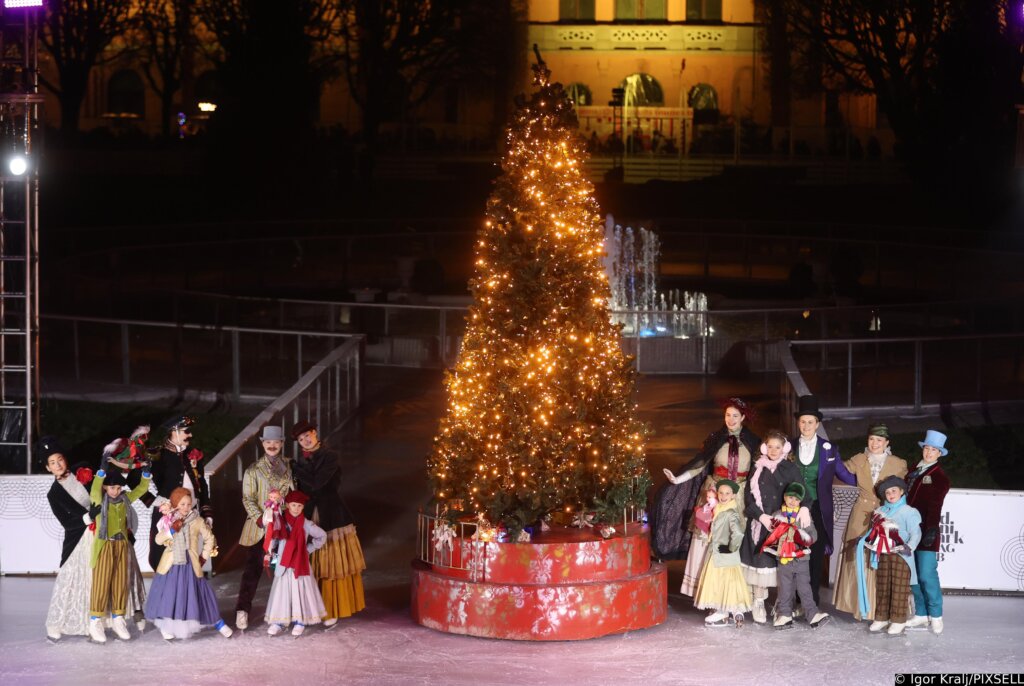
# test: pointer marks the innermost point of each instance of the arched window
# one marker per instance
(580, 95)
(207, 87)
(125, 94)
(642, 90)
(704, 101)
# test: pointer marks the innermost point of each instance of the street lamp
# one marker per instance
(17, 165)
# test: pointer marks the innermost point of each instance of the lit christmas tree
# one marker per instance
(540, 414)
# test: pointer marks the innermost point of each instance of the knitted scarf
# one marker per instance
(763, 462)
(886, 510)
(131, 519)
(295, 555)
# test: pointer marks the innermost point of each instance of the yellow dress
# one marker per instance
(721, 585)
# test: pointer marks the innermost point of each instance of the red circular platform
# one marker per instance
(566, 585)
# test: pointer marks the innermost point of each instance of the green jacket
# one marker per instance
(115, 512)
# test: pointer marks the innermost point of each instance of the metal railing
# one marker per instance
(905, 374)
(328, 395)
(226, 359)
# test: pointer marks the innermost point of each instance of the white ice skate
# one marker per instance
(96, 631)
(819, 619)
(120, 628)
(877, 626)
(167, 635)
(783, 622)
(918, 622)
(759, 614)
(330, 623)
(298, 629)
(936, 625)
(275, 629)
(895, 629)
(242, 620)
(717, 619)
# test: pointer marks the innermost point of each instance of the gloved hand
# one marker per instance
(928, 537)
(209, 521)
(724, 549)
(268, 516)
(94, 510)
(767, 522)
(803, 518)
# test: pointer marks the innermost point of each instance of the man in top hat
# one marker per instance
(178, 464)
(819, 464)
(927, 489)
(272, 471)
(68, 495)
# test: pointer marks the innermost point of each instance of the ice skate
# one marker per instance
(223, 628)
(52, 635)
(242, 620)
(140, 624)
(96, 631)
(167, 636)
(759, 614)
(895, 629)
(936, 625)
(819, 619)
(330, 623)
(120, 628)
(918, 622)
(738, 620)
(717, 619)
(783, 622)
(298, 629)
(275, 629)
(877, 626)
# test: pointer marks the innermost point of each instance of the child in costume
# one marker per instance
(273, 523)
(927, 487)
(721, 586)
(791, 543)
(892, 537)
(181, 601)
(294, 595)
(115, 522)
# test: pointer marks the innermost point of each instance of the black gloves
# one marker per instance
(928, 537)
(724, 549)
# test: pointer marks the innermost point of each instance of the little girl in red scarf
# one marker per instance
(294, 596)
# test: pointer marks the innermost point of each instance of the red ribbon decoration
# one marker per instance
(877, 532)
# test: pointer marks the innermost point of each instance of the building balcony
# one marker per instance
(669, 37)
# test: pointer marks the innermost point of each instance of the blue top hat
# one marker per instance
(935, 439)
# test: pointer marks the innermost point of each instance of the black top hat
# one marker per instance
(49, 445)
(114, 478)
(808, 404)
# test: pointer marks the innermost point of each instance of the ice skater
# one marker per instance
(181, 601)
(791, 542)
(294, 595)
(927, 487)
(721, 586)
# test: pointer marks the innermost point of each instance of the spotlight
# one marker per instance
(18, 165)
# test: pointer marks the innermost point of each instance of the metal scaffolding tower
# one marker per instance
(20, 132)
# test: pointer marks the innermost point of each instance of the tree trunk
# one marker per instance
(71, 97)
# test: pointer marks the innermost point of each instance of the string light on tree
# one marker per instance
(540, 416)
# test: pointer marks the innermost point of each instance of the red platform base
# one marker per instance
(567, 585)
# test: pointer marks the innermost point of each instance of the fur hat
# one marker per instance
(880, 430)
(890, 482)
(730, 483)
(796, 489)
(301, 427)
(296, 497)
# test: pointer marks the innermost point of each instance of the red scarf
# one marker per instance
(295, 555)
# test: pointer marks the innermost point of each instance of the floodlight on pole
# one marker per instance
(15, 4)
(17, 165)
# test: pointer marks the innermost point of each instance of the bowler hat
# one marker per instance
(301, 427)
(935, 439)
(808, 404)
(272, 432)
(890, 482)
